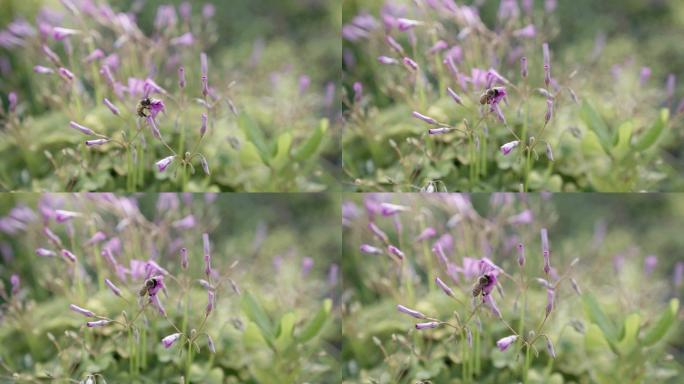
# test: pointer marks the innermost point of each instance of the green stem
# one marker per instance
(188, 364)
(527, 364)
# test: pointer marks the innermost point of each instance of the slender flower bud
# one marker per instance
(549, 111)
(111, 106)
(43, 70)
(394, 44)
(378, 232)
(358, 91)
(444, 287)
(98, 323)
(649, 264)
(204, 67)
(427, 233)
(184, 258)
(644, 75)
(678, 276)
(210, 344)
(439, 251)
(169, 340)
(15, 281)
(13, 101)
(96, 142)
(52, 56)
(113, 287)
(387, 60)
(406, 24)
(181, 77)
(575, 286)
(410, 312)
(438, 131)
(549, 152)
(521, 255)
(410, 64)
(107, 74)
(547, 64)
(506, 342)
(549, 348)
(203, 127)
(66, 74)
(207, 254)
(544, 239)
(62, 216)
(508, 147)
(431, 324)
(164, 163)
(68, 255)
(469, 336)
(523, 66)
(52, 237)
(82, 311)
(455, 96)
(369, 249)
(549, 301)
(210, 302)
(45, 252)
(489, 301)
(440, 45)
(426, 119)
(205, 85)
(154, 301)
(82, 129)
(94, 55)
(395, 251)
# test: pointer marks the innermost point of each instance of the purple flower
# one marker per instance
(210, 344)
(649, 264)
(81, 128)
(369, 249)
(426, 119)
(678, 277)
(111, 106)
(13, 101)
(439, 251)
(185, 39)
(440, 45)
(524, 217)
(508, 147)
(387, 60)
(394, 45)
(527, 32)
(96, 142)
(307, 265)
(169, 340)
(181, 77)
(59, 33)
(113, 287)
(68, 255)
(82, 311)
(52, 237)
(16, 283)
(395, 251)
(523, 66)
(444, 287)
(406, 24)
(521, 255)
(427, 233)
(431, 324)
(184, 258)
(670, 85)
(549, 301)
(164, 163)
(65, 73)
(154, 301)
(51, 55)
(378, 232)
(550, 5)
(304, 83)
(156, 106)
(45, 252)
(410, 312)
(204, 66)
(358, 91)
(644, 75)
(455, 96)
(98, 323)
(387, 209)
(506, 342)
(549, 111)
(207, 254)
(156, 286)
(94, 55)
(410, 64)
(489, 301)
(43, 70)
(62, 216)
(185, 223)
(210, 301)
(203, 127)
(438, 131)
(208, 11)
(547, 64)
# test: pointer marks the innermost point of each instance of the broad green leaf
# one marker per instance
(630, 333)
(309, 147)
(282, 153)
(284, 339)
(256, 313)
(652, 134)
(656, 332)
(621, 148)
(249, 155)
(314, 325)
(596, 315)
(252, 336)
(594, 339)
(251, 129)
(595, 122)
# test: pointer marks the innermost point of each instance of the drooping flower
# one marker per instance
(203, 127)
(455, 96)
(42, 252)
(59, 33)
(97, 323)
(549, 111)
(549, 301)
(43, 70)
(369, 249)
(427, 233)
(444, 287)
(508, 147)
(68, 255)
(410, 64)
(96, 142)
(428, 325)
(15, 281)
(81, 128)
(395, 251)
(358, 91)
(424, 118)
(164, 163)
(207, 254)
(210, 301)
(111, 106)
(156, 303)
(82, 311)
(113, 287)
(506, 342)
(184, 258)
(410, 312)
(378, 232)
(649, 264)
(169, 340)
(65, 73)
(438, 131)
(185, 39)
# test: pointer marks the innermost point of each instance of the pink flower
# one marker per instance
(410, 64)
(395, 251)
(427, 233)
(369, 249)
(43, 70)
(431, 324)
(42, 252)
(508, 147)
(444, 287)
(455, 96)
(164, 163)
(59, 33)
(98, 323)
(426, 119)
(111, 106)
(96, 142)
(82, 311)
(185, 39)
(66, 74)
(406, 24)
(84, 130)
(94, 55)
(506, 342)
(527, 32)
(68, 255)
(113, 287)
(410, 312)
(387, 60)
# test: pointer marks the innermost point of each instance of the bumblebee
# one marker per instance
(150, 284)
(492, 94)
(479, 286)
(144, 105)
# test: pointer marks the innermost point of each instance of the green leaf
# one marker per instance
(249, 155)
(595, 314)
(648, 138)
(315, 325)
(255, 312)
(595, 122)
(310, 146)
(660, 328)
(594, 338)
(630, 333)
(253, 132)
(284, 339)
(282, 152)
(252, 336)
(622, 148)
